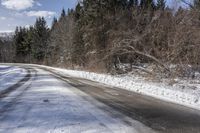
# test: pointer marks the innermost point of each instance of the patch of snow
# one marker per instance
(51, 105)
(183, 92)
(10, 76)
(3, 66)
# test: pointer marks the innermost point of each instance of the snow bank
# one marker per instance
(10, 76)
(182, 93)
(4, 67)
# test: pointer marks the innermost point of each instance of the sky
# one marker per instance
(24, 12)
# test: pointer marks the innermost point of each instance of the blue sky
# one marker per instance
(24, 12)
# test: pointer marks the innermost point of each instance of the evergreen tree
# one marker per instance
(161, 4)
(197, 4)
(1, 51)
(63, 14)
(29, 42)
(133, 3)
(147, 4)
(41, 34)
(70, 12)
(54, 22)
(77, 12)
(21, 44)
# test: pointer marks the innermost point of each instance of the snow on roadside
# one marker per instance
(181, 93)
(184, 92)
(10, 76)
(6, 70)
(4, 67)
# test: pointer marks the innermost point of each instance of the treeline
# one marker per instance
(104, 35)
(87, 35)
(7, 50)
(31, 43)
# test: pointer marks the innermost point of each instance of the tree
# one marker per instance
(1, 51)
(197, 4)
(63, 14)
(41, 34)
(132, 3)
(161, 4)
(22, 47)
(147, 4)
(29, 42)
(77, 13)
(6, 50)
(54, 22)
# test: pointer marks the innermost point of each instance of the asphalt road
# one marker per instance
(158, 115)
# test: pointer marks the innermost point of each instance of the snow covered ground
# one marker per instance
(183, 92)
(52, 106)
(10, 76)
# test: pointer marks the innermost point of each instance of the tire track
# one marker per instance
(12, 102)
(12, 88)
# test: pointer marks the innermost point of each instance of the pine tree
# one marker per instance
(77, 12)
(132, 3)
(41, 34)
(21, 44)
(146, 4)
(161, 4)
(29, 42)
(1, 51)
(63, 14)
(197, 4)
(54, 22)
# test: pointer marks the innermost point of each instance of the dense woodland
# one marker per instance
(116, 36)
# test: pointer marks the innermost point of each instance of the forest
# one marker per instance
(113, 36)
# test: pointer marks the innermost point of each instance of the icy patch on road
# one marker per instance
(10, 76)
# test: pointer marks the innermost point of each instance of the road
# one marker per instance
(47, 101)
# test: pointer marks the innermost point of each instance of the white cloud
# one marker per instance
(2, 18)
(48, 14)
(6, 31)
(17, 4)
(38, 4)
(11, 25)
